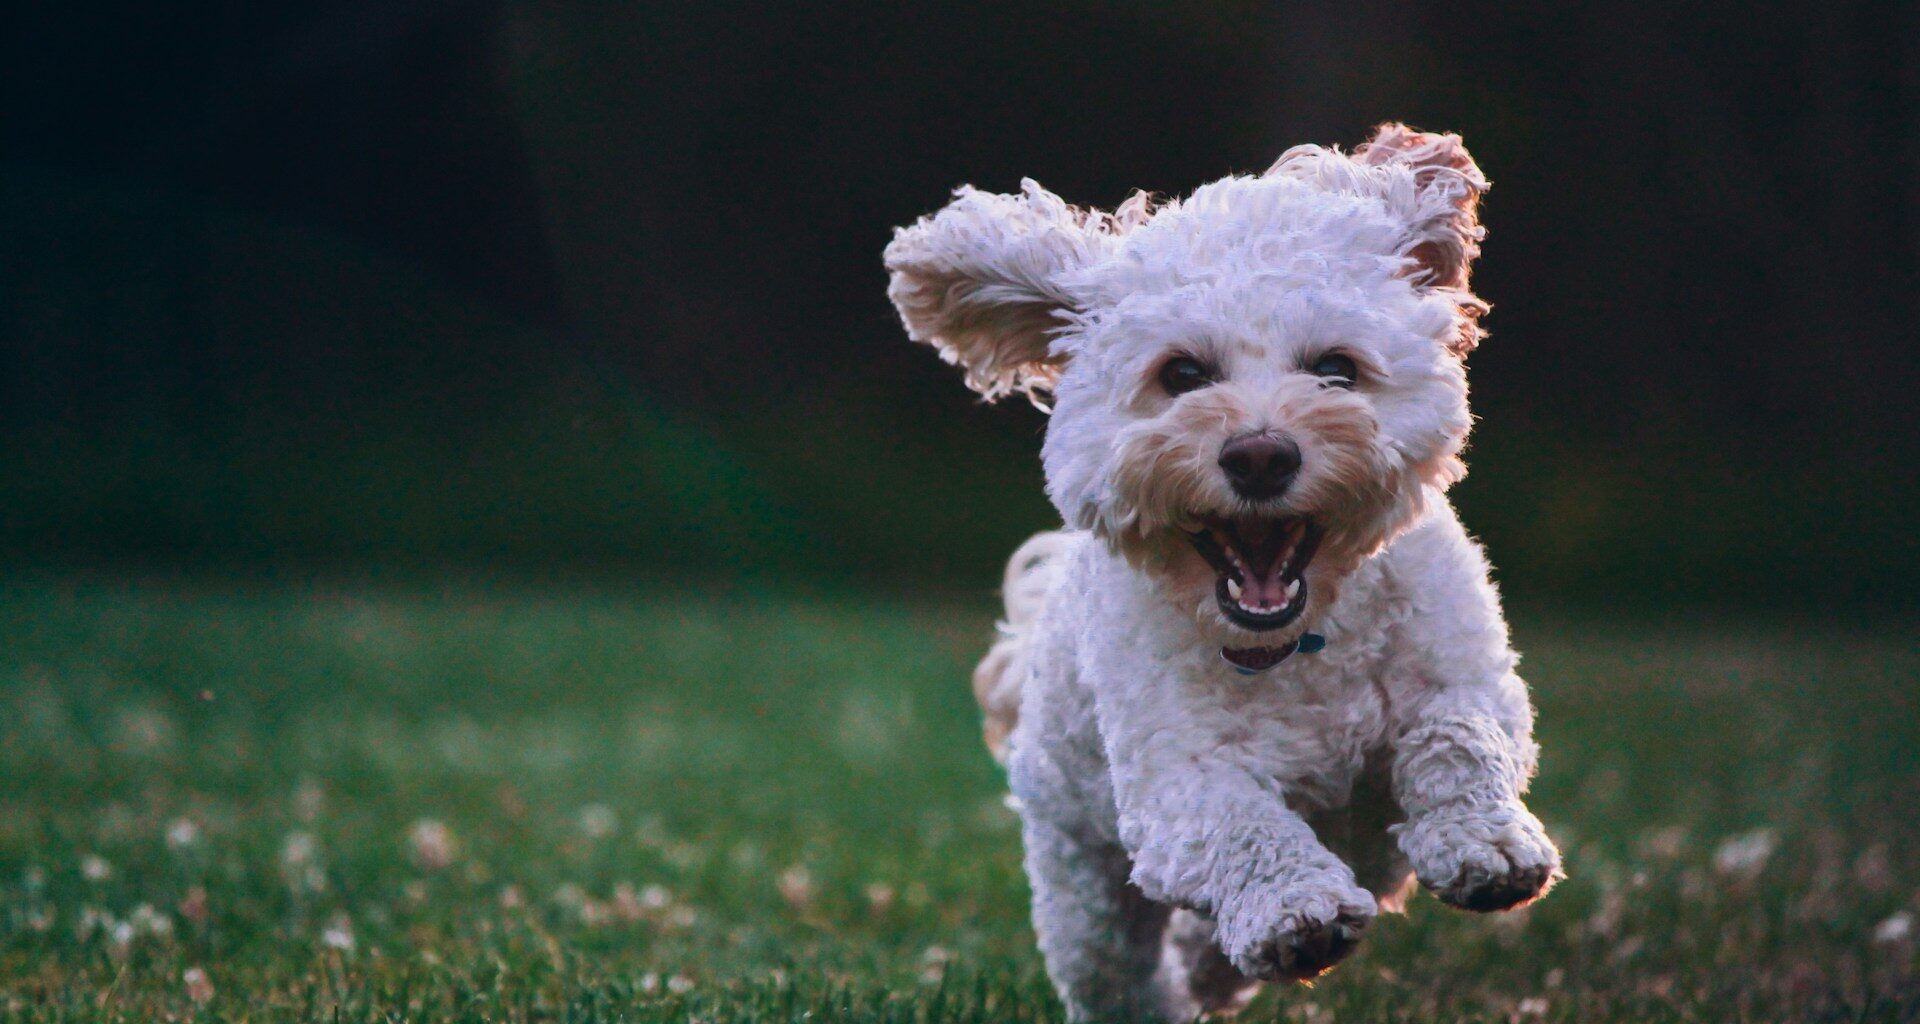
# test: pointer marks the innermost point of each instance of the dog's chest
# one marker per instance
(1314, 728)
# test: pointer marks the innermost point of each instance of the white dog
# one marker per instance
(1262, 680)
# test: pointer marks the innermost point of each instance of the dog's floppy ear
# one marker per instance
(1431, 183)
(1445, 226)
(980, 282)
(1449, 184)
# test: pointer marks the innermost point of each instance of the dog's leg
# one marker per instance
(1220, 840)
(1463, 732)
(1472, 842)
(1100, 936)
(1194, 963)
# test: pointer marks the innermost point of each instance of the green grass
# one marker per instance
(495, 804)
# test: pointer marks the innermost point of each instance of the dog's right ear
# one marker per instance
(980, 281)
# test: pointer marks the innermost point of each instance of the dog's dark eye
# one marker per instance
(1337, 369)
(1182, 374)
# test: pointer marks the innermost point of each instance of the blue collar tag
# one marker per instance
(1310, 643)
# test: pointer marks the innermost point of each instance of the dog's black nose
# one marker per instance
(1260, 465)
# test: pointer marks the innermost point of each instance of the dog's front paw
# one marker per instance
(1482, 859)
(1299, 932)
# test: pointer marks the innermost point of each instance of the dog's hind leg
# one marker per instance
(1192, 962)
(1100, 936)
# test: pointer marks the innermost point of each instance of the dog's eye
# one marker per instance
(1337, 369)
(1182, 374)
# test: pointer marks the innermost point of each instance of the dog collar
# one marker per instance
(1251, 661)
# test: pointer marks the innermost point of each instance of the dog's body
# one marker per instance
(1265, 681)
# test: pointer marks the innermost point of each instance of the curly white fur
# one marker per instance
(1189, 830)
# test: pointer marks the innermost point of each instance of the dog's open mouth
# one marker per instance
(1261, 563)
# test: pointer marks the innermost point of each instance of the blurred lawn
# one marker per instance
(493, 804)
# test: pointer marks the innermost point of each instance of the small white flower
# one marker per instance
(149, 921)
(199, 986)
(598, 821)
(679, 983)
(182, 833)
(122, 934)
(431, 844)
(1532, 1006)
(338, 934)
(1896, 929)
(299, 850)
(796, 887)
(594, 913)
(655, 897)
(1746, 854)
(94, 868)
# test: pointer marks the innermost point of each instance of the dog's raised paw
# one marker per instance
(1482, 860)
(1305, 942)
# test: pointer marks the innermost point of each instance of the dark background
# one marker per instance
(593, 290)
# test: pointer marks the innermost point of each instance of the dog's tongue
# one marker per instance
(1262, 546)
(1263, 587)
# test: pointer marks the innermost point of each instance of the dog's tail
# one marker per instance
(1002, 674)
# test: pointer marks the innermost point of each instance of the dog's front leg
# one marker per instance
(1213, 835)
(1100, 936)
(1458, 776)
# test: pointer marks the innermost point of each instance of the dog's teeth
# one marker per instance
(1293, 589)
(1233, 588)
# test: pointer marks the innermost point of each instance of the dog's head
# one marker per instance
(1253, 389)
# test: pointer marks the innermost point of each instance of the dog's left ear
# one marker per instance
(981, 282)
(1431, 182)
(1449, 185)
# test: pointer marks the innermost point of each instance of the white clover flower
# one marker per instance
(300, 863)
(796, 887)
(94, 868)
(598, 821)
(1745, 855)
(199, 986)
(431, 844)
(182, 833)
(298, 850)
(1896, 929)
(148, 921)
(338, 934)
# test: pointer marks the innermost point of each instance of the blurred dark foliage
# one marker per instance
(397, 286)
